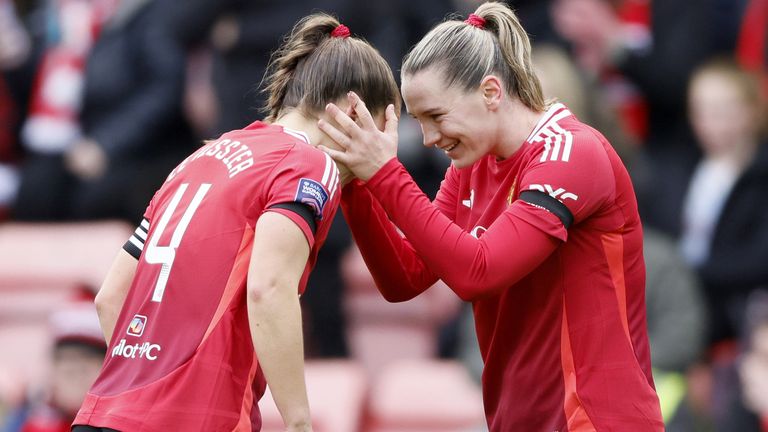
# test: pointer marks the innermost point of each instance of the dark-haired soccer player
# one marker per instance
(201, 308)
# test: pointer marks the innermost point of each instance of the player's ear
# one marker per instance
(492, 91)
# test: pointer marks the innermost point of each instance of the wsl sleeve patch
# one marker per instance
(312, 194)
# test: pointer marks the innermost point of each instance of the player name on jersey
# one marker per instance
(235, 156)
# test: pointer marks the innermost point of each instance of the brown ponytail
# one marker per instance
(313, 68)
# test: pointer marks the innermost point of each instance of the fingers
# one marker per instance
(390, 123)
(357, 104)
(347, 124)
(336, 135)
(336, 155)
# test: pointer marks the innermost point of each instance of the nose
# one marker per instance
(431, 135)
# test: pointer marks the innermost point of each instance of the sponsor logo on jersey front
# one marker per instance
(146, 350)
(312, 194)
(559, 193)
(137, 325)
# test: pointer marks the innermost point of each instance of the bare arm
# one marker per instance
(280, 253)
(109, 300)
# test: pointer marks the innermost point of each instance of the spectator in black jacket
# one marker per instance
(128, 132)
(716, 204)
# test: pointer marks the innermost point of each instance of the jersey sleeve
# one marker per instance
(135, 243)
(571, 177)
(400, 274)
(471, 267)
(447, 195)
(308, 177)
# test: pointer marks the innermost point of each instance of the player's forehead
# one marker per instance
(425, 91)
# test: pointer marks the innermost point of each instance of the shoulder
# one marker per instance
(563, 138)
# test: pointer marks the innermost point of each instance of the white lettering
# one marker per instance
(554, 193)
(146, 350)
(235, 156)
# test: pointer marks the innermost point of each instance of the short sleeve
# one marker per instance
(570, 176)
(309, 177)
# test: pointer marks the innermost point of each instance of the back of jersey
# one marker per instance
(181, 356)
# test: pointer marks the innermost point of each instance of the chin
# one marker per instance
(461, 163)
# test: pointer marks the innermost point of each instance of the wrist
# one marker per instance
(383, 172)
(299, 425)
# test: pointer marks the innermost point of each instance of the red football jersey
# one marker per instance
(547, 244)
(181, 356)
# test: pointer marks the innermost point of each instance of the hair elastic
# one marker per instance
(341, 31)
(476, 21)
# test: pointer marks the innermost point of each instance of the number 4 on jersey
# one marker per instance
(166, 254)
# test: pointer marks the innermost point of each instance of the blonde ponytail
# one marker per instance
(492, 42)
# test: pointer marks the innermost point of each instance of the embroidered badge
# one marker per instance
(312, 194)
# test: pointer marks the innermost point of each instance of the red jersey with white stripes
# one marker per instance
(181, 356)
(547, 244)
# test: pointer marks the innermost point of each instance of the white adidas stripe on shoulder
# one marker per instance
(553, 114)
(331, 175)
(297, 134)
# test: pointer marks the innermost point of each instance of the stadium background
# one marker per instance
(99, 99)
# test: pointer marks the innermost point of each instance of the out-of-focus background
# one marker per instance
(99, 99)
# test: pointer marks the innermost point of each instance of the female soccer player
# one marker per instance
(535, 223)
(201, 308)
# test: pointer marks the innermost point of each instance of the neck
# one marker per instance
(739, 157)
(296, 120)
(517, 123)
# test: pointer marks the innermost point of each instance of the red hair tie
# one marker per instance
(476, 21)
(341, 31)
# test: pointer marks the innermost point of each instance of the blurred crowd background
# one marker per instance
(99, 99)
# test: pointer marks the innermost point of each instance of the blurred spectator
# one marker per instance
(643, 51)
(676, 319)
(752, 48)
(561, 78)
(105, 123)
(721, 216)
(714, 204)
(77, 354)
(676, 308)
(15, 54)
(241, 35)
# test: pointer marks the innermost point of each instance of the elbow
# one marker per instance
(465, 293)
(473, 291)
(397, 293)
(261, 293)
(103, 303)
(395, 297)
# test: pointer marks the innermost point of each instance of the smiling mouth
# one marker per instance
(450, 148)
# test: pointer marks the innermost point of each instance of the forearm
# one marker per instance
(399, 273)
(275, 323)
(471, 267)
